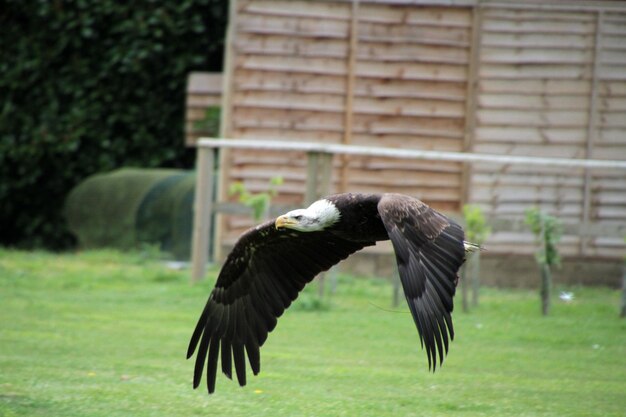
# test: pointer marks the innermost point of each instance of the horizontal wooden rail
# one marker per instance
(339, 149)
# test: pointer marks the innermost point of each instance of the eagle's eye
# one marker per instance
(298, 217)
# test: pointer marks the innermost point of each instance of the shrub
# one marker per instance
(90, 86)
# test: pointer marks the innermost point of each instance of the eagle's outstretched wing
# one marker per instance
(429, 251)
(260, 278)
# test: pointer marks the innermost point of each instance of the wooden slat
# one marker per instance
(295, 101)
(557, 150)
(517, 15)
(613, 119)
(433, 16)
(611, 89)
(533, 87)
(614, 28)
(392, 125)
(293, 8)
(531, 135)
(613, 56)
(612, 72)
(614, 42)
(394, 87)
(427, 35)
(535, 40)
(284, 81)
(408, 107)
(383, 164)
(288, 120)
(533, 102)
(291, 64)
(204, 83)
(203, 101)
(403, 52)
(529, 194)
(539, 71)
(297, 26)
(280, 45)
(539, 26)
(528, 118)
(492, 179)
(411, 71)
(518, 56)
(409, 140)
(426, 179)
(611, 137)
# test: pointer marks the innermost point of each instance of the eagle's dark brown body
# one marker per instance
(270, 265)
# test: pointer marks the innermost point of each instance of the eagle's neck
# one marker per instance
(325, 212)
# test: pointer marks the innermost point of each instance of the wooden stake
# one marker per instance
(203, 203)
(464, 288)
(349, 111)
(623, 309)
(470, 101)
(226, 121)
(591, 129)
(475, 274)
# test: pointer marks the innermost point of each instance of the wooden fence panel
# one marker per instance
(204, 91)
(608, 188)
(290, 79)
(534, 82)
(528, 79)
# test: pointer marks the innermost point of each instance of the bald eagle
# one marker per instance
(271, 263)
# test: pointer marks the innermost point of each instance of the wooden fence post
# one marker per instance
(623, 307)
(350, 83)
(318, 178)
(475, 274)
(592, 129)
(464, 288)
(395, 278)
(203, 210)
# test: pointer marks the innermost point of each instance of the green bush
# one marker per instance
(90, 86)
(476, 228)
(548, 231)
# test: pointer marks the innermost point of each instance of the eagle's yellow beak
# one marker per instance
(284, 221)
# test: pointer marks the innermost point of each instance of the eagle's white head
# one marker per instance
(318, 216)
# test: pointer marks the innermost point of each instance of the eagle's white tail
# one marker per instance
(471, 247)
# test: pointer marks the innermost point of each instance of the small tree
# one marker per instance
(259, 202)
(623, 307)
(547, 230)
(476, 231)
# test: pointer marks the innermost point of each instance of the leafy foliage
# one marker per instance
(210, 123)
(547, 230)
(89, 86)
(476, 228)
(259, 202)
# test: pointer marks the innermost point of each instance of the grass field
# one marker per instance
(105, 334)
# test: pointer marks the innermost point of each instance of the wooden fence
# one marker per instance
(204, 93)
(319, 158)
(532, 78)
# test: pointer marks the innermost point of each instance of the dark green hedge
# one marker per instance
(89, 86)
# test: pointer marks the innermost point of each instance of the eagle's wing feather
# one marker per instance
(429, 251)
(260, 278)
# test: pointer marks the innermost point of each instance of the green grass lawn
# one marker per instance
(105, 334)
